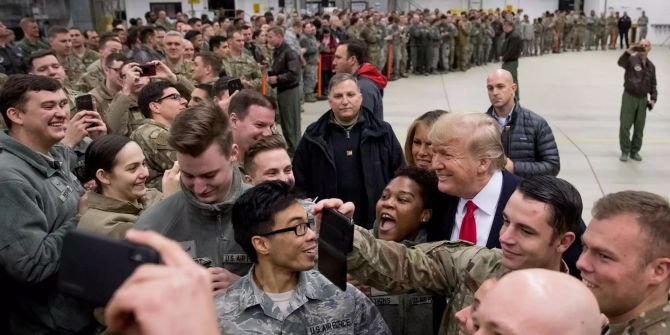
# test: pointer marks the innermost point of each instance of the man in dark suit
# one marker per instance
(469, 160)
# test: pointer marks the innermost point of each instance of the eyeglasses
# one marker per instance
(299, 230)
(173, 96)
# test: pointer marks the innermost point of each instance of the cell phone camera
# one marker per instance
(138, 256)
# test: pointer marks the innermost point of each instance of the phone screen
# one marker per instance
(148, 70)
(234, 85)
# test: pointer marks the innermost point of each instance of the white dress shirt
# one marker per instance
(487, 202)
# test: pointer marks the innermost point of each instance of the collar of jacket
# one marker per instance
(40, 163)
(515, 112)
(236, 189)
(371, 127)
(107, 204)
(311, 286)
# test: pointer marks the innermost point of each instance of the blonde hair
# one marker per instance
(480, 130)
(428, 118)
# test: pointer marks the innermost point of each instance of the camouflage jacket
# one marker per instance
(26, 47)
(643, 21)
(451, 268)
(653, 322)
(371, 38)
(183, 68)
(89, 57)
(243, 65)
(311, 54)
(316, 307)
(152, 137)
(73, 67)
(124, 116)
(91, 78)
(103, 98)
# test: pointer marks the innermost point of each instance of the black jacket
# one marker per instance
(512, 45)
(10, 60)
(529, 142)
(640, 78)
(314, 166)
(286, 67)
(624, 23)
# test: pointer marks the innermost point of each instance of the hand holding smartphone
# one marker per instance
(148, 70)
(336, 239)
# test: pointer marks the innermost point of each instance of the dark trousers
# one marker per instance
(512, 67)
(289, 117)
(623, 35)
(633, 114)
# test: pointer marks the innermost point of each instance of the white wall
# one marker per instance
(658, 12)
(137, 8)
(265, 5)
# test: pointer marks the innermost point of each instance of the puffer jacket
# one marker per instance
(529, 142)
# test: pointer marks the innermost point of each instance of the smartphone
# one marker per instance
(93, 266)
(639, 48)
(336, 240)
(148, 70)
(234, 85)
(84, 102)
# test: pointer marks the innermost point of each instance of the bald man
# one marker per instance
(527, 138)
(538, 301)
(639, 94)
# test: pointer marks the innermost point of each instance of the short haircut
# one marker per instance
(116, 57)
(191, 34)
(212, 61)
(428, 118)
(246, 98)
(277, 30)
(57, 30)
(339, 78)
(356, 48)
(254, 211)
(196, 128)
(14, 93)
(151, 92)
(39, 54)
(101, 154)
(145, 33)
(427, 180)
(88, 31)
(562, 199)
(206, 87)
(273, 142)
(481, 131)
(106, 37)
(193, 20)
(215, 42)
(158, 27)
(75, 28)
(220, 86)
(25, 21)
(651, 212)
(173, 33)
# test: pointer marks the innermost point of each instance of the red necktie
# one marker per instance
(469, 226)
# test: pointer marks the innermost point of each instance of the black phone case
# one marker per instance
(84, 102)
(234, 85)
(336, 239)
(93, 266)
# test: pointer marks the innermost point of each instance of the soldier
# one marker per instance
(160, 103)
(626, 261)
(435, 45)
(302, 301)
(79, 49)
(94, 74)
(527, 35)
(61, 43)
(600, 32)
(451, 38)
(372, 38)
(642, 23)
(394, 38)
(92, 39)
(124, 115)
(475, 42)
(354, 30)
(206, 68)
(31, 41)
(311, 55)
(589, 36)
(463, 43)
(240, 64)
(580, 31)
(487, 36)
(569, 40)
(457, 268)
(613, 28)
(548, 33)
(414, 33)
(174, 55)
(380, 30)
(559, 31)
(404, 44)
(104, 93)
(45, 63)
(538, 38)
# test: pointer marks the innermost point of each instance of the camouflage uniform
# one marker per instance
(103, 98)
(559, 28)
(152, 137)
(124, 116)
(569, 39)
(613, 29)
(590, 31)
(463, 45)
(89, 57)
(93, 77)
(315, 307)
(548, 34)
(406, 313)
(451, 268)
(183, 68)
(435, 45)
(600, 38)
(354, 32)
(73, 67)
(372, 37)
(404, 55)
(451, 38)
(642, 23)
(653, 322)
(309, 73)
(414, 33)
(537, 41)
(243, 65)
(27, 48)
(580, 32)
(475, 42)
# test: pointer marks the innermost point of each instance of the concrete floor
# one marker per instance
(580, 96)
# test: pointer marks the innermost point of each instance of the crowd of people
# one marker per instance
(463, 230)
